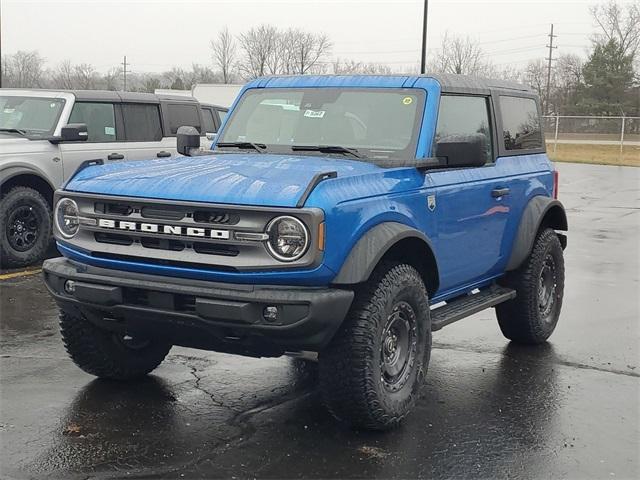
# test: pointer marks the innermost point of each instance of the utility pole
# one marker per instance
(423, 58)
(549, 60)
(124, 72)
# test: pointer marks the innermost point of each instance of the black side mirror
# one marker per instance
(74, 132)
(188, 139)
(463, 150)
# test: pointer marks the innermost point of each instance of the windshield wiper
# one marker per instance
(326, 149)
(14, 130)
(258, 147)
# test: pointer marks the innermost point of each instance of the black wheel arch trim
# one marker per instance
(11, 172)
(372, 247)
(537, 210)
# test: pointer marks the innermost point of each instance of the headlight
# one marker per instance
(67, 217)
(288, 238)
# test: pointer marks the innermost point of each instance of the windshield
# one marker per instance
(36, 117)
(369, 123)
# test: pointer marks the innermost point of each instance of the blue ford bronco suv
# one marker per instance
(350, 216)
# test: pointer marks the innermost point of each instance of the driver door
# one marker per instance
(470, 217)
(105, 140)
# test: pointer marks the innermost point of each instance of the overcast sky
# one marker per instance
(157, 34)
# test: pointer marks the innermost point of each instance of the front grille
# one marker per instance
(184, 234)
(165, 215)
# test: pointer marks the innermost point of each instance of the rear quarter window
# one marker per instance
(142, 122)
(520, 123)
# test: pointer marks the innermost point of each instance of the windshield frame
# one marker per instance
(367, 154)
(33, 134)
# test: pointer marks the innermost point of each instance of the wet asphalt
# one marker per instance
(566, 409)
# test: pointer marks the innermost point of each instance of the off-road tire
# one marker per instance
(24, 197)
(102, 353)
(521, 319)
(350, 368)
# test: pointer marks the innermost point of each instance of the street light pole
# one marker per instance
(423, 59)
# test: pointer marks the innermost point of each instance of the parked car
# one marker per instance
(212, 117)
(46, 135)
(350, 216)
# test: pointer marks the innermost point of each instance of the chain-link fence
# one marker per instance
(621, 131)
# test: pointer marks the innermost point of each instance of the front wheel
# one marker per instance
(25, 227)
(532, 316)
(372, 371)
(108, 354)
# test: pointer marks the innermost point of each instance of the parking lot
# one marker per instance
(567, 409)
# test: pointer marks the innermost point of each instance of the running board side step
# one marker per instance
(467, 305)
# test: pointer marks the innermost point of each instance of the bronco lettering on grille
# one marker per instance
(163, 229)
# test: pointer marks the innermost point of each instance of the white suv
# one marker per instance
(45, 136)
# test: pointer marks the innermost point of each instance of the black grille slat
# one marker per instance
(215, 217)
(215, 249)
(162, 244)
(162, 213)
(113, 238)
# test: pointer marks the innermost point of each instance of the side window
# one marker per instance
(465, 115)
(221, 115)
(141, 122)
(208, 122)
(180, 115)
(99, 118)
(520, 123)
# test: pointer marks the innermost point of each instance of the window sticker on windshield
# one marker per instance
(52, 105)
(407, 100)
(9, 110)
(109, 131)
(314, 113)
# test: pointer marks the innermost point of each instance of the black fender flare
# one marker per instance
(537, 210)
(371, 247)
(8, 173)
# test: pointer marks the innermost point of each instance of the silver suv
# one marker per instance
(45, 136)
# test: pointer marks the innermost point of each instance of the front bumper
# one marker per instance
(200, 314)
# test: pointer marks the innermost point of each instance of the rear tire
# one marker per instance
(532, 316)
(371, 372)
(107, 354)
(25, 227)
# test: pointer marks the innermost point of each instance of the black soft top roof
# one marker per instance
(137, 97)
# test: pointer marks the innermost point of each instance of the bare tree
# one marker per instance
(305, 50)
(64, 76)
(112, 79)
(535, 75)
(351, 67)
(174, 78)
(86, 76)
(620, 23)
(23, 69)
(460, 55)
(259, 47)
(224, 54)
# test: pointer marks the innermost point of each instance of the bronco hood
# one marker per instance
(242, 179)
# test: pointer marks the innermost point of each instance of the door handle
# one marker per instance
(115, 156)
(163, 154)
(500, 192)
